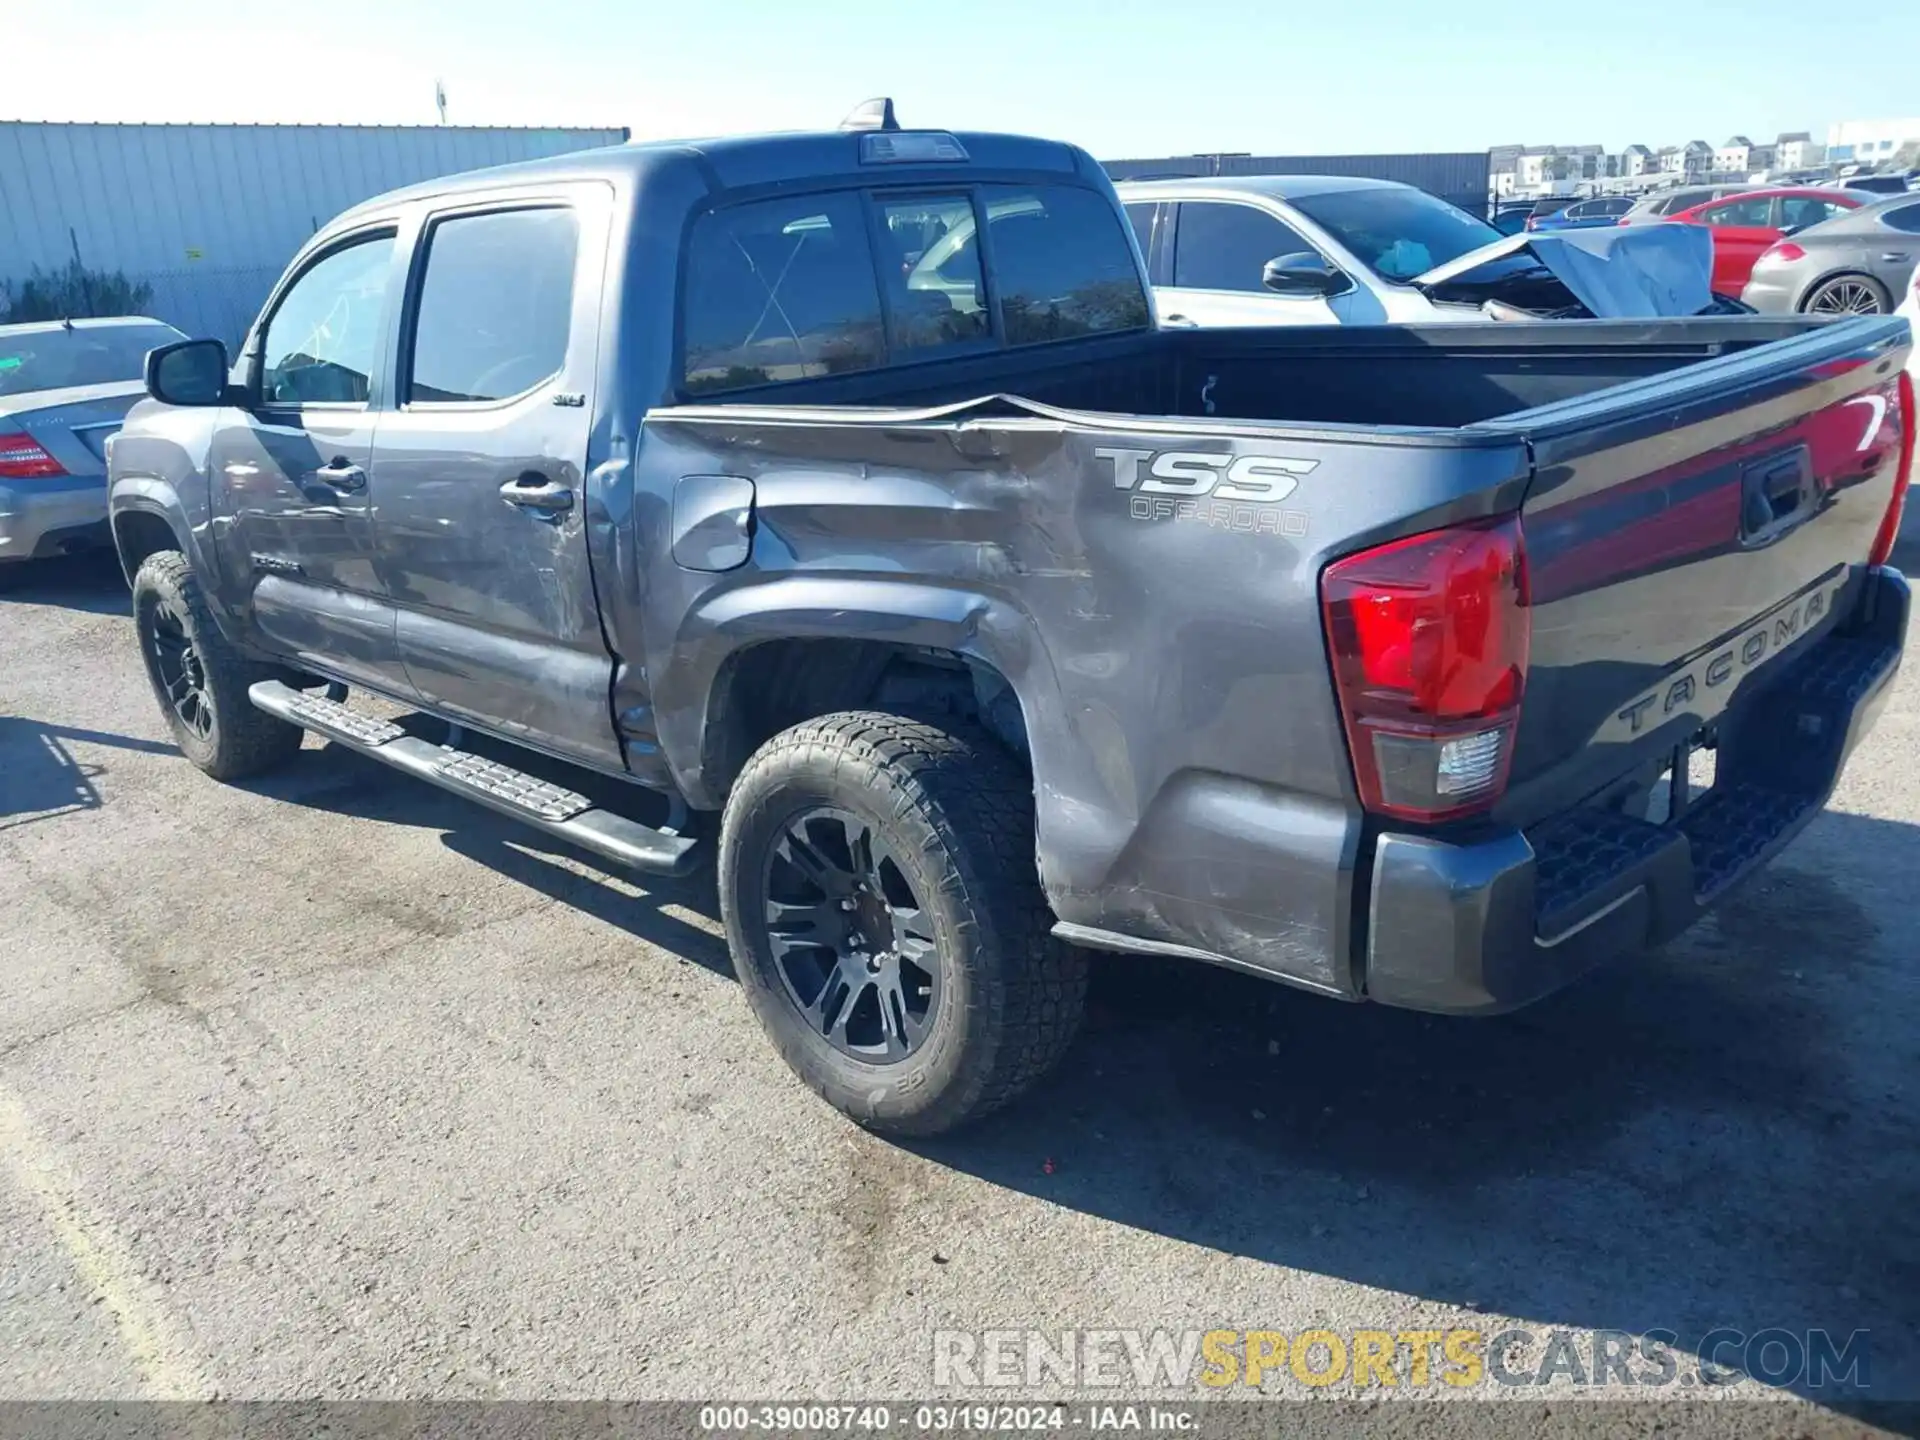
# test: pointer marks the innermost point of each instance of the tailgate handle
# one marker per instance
(1775, 496)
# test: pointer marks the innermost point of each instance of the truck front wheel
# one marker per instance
(886, 919)
(200, 680)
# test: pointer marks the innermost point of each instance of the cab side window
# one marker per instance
(496, 304)
(322, 339)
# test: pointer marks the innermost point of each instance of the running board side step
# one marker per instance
(561, 813)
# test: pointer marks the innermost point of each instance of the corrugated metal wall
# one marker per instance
(208, 215)
(1460, 177)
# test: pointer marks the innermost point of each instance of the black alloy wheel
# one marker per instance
(182, 675)
(854, 949)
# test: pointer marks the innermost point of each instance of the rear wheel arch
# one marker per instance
(769, 686)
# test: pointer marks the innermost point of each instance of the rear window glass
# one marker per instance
(780, 290)
(84, 355)
(930, 266)
(801, 287)
(1061, 263)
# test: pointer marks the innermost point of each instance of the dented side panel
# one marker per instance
(1151, 596)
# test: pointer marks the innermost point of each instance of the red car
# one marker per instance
(1744, 225)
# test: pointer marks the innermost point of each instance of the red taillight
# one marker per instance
(1785, 250)
(24, 458)
(1890, 524)
(1429, 639)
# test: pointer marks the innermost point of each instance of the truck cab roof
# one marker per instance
(750, 161)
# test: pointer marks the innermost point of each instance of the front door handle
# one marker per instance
(533, 491)
(342, 474)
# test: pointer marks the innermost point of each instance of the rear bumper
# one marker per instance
(1480, 928)
(1771, 295)
(50, 517)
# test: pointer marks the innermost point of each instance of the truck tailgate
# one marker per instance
(1685, 535)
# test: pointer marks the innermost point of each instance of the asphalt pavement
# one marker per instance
(332, 1085)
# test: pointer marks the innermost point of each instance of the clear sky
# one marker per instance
(1121, 77)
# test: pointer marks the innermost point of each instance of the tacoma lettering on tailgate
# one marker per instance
(1704, 687)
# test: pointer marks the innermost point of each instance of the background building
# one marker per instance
(1870, 142)
(199, 220)
(1734, 157)
(1797, 150)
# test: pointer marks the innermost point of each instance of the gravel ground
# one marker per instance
(332, 1085)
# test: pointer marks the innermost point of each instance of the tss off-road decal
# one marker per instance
(1228, 492)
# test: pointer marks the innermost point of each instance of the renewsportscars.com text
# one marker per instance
(1385, 1360)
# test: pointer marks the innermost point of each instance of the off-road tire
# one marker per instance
(958, 811)
(242, 741)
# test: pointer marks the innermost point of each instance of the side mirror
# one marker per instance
(189, 372)
(1304, 273)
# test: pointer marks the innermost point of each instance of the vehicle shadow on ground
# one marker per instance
(1711, 1136)
(39, 776)
(90, 581)
(337, 780)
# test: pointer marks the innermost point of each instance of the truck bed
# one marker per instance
(1684, 489)
(1396, 375)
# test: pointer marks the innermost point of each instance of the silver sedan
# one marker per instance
(65, 386)
(1857, 264)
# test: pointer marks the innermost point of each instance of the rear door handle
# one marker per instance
(342, 474)
(533, 491)
(1894, 258)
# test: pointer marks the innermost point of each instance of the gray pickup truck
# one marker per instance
(715, 496)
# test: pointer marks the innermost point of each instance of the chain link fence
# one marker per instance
(207, 301)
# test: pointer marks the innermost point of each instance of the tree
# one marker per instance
(74, 292)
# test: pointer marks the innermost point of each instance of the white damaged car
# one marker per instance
(1333, 250)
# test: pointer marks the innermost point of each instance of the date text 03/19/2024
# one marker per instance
(937, 1419)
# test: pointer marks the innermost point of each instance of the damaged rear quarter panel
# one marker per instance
(1191, 777)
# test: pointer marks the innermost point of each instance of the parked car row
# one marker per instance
(1849, 248)
(1859, 262)
(1746, 225)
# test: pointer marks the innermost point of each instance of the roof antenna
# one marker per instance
(874, 114)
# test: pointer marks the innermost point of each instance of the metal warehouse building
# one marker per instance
(205, 217)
